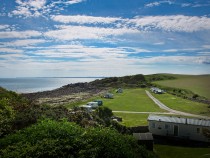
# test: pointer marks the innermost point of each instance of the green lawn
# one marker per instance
(198, 84)
(184, 105)
(132, 100)
(131, 120)
(166, 151)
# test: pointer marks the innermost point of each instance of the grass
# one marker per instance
(198, 84)
(132, 100)
(166, 151)
(131, 120)
(184, 105)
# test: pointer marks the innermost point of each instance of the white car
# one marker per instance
(86, 107)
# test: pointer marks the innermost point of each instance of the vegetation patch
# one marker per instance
(131, 120)
(199, 85)
(166, 151)
(64, 139)
(132, 100)
(184, 105)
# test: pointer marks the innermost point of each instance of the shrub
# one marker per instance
(51, 138)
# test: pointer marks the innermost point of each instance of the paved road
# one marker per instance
(162, 106)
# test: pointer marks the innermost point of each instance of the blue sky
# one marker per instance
(103, 37)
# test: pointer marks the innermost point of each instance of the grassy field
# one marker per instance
(131, 120)
(198, 84)
(184, 105)
(132, 100)
(166, 151)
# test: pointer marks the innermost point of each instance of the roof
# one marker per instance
(143, 136)
(180, 120)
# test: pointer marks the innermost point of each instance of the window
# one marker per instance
(198, 130)
(153, 125)
(167, 126)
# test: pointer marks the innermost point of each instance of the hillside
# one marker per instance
(198, 84)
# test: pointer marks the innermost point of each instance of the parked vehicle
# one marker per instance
(93, 104)
(86, 107)
(100, 102)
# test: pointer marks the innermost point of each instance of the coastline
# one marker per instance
(66, 94)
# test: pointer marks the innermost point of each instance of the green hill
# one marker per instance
(198, 84)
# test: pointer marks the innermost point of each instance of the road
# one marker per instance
(163, 106)
(134, 112)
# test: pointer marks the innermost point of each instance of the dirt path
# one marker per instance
(163, 106)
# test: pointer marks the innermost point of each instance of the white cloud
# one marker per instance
(2, 27)
(83, 19)
(196, 4)
(178, 23)
(159, 43)
(36, 8)
(186, 4)
(87, 53)
(74, 1)
(20, 34)
(206, 46)
(10, 50)
(83, 32)
(29, 8)
(26, 42)
(185, 60)
(154, 4)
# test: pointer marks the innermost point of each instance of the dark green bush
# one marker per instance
(50, 138)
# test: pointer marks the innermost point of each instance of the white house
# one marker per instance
(186, 128)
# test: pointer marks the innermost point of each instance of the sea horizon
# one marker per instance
(39, 84)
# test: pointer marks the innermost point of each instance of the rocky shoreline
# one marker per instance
(66, 94)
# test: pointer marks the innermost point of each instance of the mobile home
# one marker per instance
(185, 128)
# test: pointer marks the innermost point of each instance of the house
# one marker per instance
(178, 127)
(109, 96)
(145, 139)
(119, 90)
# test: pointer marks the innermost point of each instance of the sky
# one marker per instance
(66, 38)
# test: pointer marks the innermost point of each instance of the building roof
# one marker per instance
(180, 120)
(143, 136)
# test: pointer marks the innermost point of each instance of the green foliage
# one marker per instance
(159, 77)
(6, 116)
(10, 102)
(50, 138)
(104, 112)
(126, 81)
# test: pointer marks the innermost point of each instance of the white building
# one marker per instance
(186, 128)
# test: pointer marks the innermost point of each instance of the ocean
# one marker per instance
(29, 85)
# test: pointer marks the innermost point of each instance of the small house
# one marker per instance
(119, 90)
(178, 127)
(144, 139)
(109, 96)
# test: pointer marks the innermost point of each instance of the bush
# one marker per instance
(64, 139)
